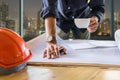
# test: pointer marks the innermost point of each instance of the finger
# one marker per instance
(92, 21)
(91, 30)
(56, 48)
(65, 51)
(53, 56)
(44, 53)
(48, 53)
(62, 50)
(91, 26)
(51, 48)
(94, 26)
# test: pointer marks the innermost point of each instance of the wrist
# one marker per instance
(51, 39)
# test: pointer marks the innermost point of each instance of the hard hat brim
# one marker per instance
(6, 71)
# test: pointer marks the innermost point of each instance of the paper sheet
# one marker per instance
(85, 44)
(106, 55)
(38, 44)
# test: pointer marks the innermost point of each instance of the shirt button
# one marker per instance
(73, 17)
(69, 7)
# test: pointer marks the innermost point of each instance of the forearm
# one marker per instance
(50, 23)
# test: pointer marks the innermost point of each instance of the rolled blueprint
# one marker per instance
(117, 38)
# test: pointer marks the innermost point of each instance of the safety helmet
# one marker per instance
(13, 52)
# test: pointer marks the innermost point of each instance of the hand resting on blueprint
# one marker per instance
(38, 46)
(53, 50)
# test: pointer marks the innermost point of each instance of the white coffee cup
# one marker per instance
(117, 37)
(82, 22)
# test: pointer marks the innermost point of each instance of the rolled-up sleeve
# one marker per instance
(48, 8)
(97, 7)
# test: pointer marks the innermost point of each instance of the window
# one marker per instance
(116, 14)
(32, 22)
(105, 28)
(9, 14)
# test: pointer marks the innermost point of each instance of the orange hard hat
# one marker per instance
(13, 50)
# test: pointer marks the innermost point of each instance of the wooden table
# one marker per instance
(56, 72)
(64, 73)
